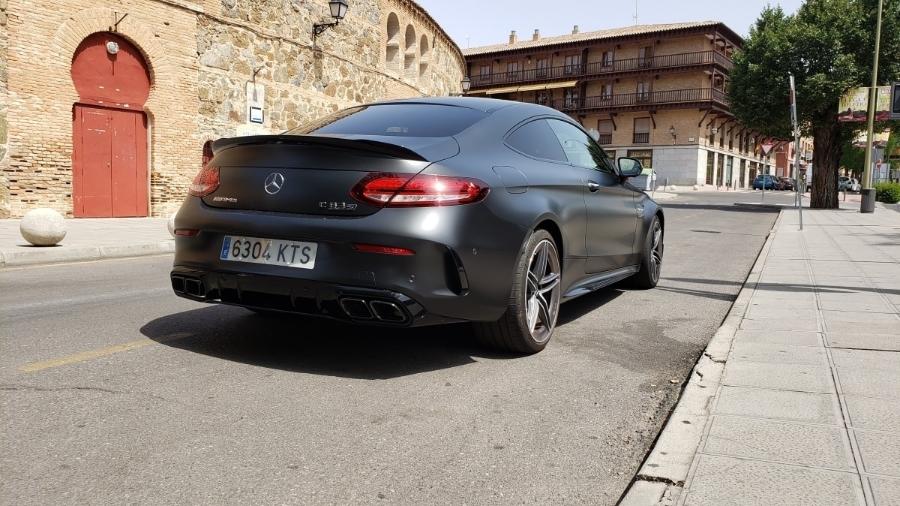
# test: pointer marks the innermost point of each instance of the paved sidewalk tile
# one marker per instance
(863, 340)
(880, 452)
(727, 481)
(880, 383)
(799, 377)
(779, 404)
(790, 443)
(866, 359)
(778, 354)
(886, 491)
(790, 337)
(873, 413)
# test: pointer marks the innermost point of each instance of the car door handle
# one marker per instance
(592, 186)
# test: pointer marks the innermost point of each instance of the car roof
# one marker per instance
(488, 105)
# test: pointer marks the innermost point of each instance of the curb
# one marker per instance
(663, 473)
(62, 254)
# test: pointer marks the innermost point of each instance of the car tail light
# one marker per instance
(383, 250)
(186, 232)
(206, 181)
(423, 190)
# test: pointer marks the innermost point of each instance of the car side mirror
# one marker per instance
(629, 167)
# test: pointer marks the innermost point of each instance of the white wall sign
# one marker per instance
(256, 101)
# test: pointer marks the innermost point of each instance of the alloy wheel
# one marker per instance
(543, 291)
(656, 252)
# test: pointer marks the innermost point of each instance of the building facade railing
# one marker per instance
(637, 100)
(601, 68)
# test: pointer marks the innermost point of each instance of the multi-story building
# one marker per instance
(652, 92)
(784, 157)
(106, 105)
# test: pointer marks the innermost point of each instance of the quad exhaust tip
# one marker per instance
(189, 286)
(360, 309)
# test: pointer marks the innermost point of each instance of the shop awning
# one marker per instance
(497, 91)
(550, 86)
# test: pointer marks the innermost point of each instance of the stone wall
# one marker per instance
(4, 184)
(202, 54)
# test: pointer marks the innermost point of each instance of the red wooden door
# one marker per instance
(109, 138)
(110, 162)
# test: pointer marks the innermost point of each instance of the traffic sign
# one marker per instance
(766, 147)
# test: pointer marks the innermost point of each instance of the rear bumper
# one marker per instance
(461, 271)
(292, 295)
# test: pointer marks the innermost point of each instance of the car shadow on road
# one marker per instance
(317, 346)
(325, 347)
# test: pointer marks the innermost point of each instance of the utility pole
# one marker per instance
(798, 198)
(867, 203)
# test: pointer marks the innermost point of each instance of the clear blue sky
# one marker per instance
(481, 22)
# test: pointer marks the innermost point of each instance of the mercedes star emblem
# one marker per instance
(274, 183)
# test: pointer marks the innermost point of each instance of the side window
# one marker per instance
(580, 149)
(537, 139)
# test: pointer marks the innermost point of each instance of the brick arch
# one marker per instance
(99, 19)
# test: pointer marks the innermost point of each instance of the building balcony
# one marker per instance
(699, 97)
(604, 139)
(602, 69)
(641, 138)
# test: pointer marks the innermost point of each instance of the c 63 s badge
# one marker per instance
(230, 200)
(338, 206)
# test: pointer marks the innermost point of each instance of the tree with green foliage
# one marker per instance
(828, 45)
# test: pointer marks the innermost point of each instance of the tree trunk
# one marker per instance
(826, 161)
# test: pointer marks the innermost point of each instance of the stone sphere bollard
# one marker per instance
(43, 227)
(170, 224)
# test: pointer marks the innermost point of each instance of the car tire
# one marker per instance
(651, 257)
(530, 318)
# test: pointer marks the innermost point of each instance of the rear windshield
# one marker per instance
(401, 120)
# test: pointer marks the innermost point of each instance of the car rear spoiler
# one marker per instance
(426, 149)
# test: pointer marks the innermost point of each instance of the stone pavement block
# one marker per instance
(793, 295)
(886, 491)
(645, 493)
(763, 303)
(880, 452)
(807, 324)
(880, 383)
(857, 298)
(866, 359)
(764, 312)
(779, 404)
(726, 481)
(873, 413)
(798, 377)
(861, 317)
(791, 443)
(778, 337)
(778, 354)
(864, 340)
(875, 305)
(874, 327)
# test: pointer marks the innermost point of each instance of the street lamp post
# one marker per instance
(867, 203)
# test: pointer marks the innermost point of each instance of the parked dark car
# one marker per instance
(770, 182)
(786, 183)
(419, 212)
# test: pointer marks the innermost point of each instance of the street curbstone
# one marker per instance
(664, 472)
(63, 254)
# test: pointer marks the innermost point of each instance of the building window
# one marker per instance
(611, 153)
(645, 56)
(710, 168)
(607, 59)
(572, 64)
(641, 131)
(541, 67)
(512, 71)
(571, 98)
(645, 156)
(542, 98)
(606, 92)
(643, 91)
(605, 127)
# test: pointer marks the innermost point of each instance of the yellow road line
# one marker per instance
(85, 355)
(92, 354)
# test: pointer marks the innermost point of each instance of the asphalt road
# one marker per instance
(115, 391)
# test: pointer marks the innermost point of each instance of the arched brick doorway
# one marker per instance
(109, 134)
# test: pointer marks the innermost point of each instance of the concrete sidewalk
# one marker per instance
(797, 398)
(88, 239)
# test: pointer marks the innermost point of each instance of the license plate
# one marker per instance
(269, 251)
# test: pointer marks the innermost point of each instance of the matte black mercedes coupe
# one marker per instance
(418, 212)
